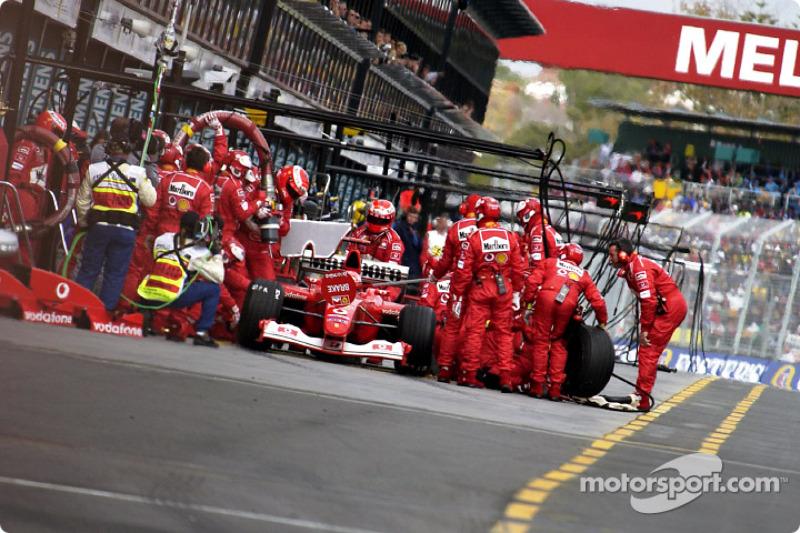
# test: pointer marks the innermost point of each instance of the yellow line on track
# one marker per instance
(527, 501)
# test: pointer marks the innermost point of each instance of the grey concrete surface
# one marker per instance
(101, 433)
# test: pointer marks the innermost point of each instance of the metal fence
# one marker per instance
(750, 268)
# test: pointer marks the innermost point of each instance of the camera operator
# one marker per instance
(187, 269)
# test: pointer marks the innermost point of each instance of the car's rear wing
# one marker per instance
(371, 271)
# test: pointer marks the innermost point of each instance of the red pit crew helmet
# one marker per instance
(240, 165)
(571, 252)
(51, 121)
(488, 209)
(294, 181)
(467, 208)
(527, 209)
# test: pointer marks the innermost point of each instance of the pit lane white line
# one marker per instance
(305, 524)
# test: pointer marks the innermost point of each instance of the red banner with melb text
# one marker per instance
(670, 47)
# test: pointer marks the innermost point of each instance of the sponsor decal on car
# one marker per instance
(47, 317)
(286, 330)
(117, 329)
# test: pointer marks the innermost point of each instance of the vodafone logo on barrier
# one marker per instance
(117, 329)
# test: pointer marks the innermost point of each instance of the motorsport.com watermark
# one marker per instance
(697, 474)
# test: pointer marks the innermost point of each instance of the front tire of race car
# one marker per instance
(590, 361)
(264, 300)
(417, 328)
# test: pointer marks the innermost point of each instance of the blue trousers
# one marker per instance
(200, 291)
(112, 245)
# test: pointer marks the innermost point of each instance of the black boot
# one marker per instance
(205, 340)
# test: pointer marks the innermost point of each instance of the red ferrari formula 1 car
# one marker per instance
(340, 306)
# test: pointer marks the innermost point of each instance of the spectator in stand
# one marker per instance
(433, 245)
(343, 10)
(333, 6)
(468, 108)
(365, 28)
(401, 49)
(353, 18)
(772, 186)
(406, 227)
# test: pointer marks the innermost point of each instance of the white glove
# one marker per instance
(263, 212)
(431, 277)
(515, 302)
(235, 314)
(216, 125)
(455, 306)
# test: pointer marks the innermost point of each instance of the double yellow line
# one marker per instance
(712, 443)
(528, 500)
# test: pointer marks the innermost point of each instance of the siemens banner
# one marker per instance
(686, 49)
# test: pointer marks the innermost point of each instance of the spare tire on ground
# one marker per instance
(264, 300)
(590, 361)
(417, 327)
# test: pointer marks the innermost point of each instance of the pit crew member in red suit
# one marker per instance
(489, 278)
(529, 214)
(234, 204)
(178, 193)
(381, 242)
(662, 308)
(436, 295)
(555, 288)
(31, 167)
(291, 184)
(454, 246)
(237, 279)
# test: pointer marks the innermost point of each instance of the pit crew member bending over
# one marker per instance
(662, 309)
(540, 245)
(555, 288)
(178, 258)
(489, 279)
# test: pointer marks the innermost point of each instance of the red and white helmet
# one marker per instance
(172, 155)
(164, 136)
(51, 121)
(294, 181)
(380, 216)
(240, 165)
(487, 209)
(527, 209)
(232, 250)
(571, 252)
(467, 208)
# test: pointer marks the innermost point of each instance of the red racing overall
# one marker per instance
(491, 271)
(454, 245)
(662, 309)
(555, 288)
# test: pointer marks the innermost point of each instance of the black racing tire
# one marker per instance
(417, 328)
(590, 361)
(264, 299)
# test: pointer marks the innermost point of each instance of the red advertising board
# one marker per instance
(670, 47)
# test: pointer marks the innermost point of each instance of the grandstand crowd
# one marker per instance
(751, 201)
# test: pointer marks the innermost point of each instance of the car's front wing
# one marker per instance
(289, 333)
